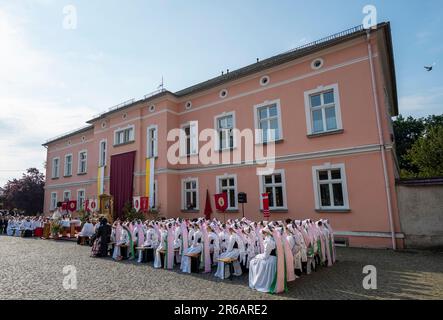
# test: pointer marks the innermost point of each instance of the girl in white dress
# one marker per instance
(263, 267)
(196, 247)
(232, 252)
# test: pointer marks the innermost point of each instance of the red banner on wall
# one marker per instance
(72, 205)
(136, 203)
(221, 201)
(265, 200)
(144, 204)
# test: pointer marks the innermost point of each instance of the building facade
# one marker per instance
(329, 104)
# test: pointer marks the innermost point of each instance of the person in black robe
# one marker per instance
(2, 224)
(101, 239)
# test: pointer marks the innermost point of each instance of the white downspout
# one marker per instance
(381, 142)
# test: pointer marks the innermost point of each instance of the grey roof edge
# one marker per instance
(146, 99)
(420, 181)
(389, 44)
(273, 61)
(69, 134)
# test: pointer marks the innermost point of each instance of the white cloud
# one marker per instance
(27, 116)
(422, 103)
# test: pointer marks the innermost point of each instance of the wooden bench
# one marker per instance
(195, 262)
(147, 254)
(83, 241)
(230, 263)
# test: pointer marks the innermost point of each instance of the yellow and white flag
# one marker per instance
(100, 180)
(149, 180)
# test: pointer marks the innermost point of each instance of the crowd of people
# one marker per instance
(272, 252)
(20, 225)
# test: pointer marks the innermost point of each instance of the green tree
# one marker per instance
(26, 193)
(407, 131)
(426, 153)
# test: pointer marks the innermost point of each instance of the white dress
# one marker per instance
(231, 253)
(178, 243)
(263, 267)
(163, 245)
(214, 246)
(87, 230)
(196, 247)
(10, 228)
(151, 240)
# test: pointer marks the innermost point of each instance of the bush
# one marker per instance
(129, 213)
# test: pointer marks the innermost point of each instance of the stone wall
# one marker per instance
(421, 212)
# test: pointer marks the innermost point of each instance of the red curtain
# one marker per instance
(121, 180)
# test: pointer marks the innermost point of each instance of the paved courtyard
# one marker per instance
(33, 269)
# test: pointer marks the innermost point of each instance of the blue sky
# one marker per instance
(53, 79)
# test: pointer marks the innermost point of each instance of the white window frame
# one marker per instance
(55, 174)
(217, 142)
(316, 184)
(308, 111)
(283, 184)
(183, 193)
(193, 136)
(65, 168)
(67, 192)
(155, 191)
(101, 160)
(80, 160)
(131, 134)
(258, 135)
(80, 205)
(149, 152)
(219, 188)
(53, 205)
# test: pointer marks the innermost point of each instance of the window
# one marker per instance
(154, 196)
(80, 199)
(152, 142)
(268, 121)
(189, 139)
(123, 136)
(225, 125)
(82, 162)
(274, 186)
(190, 194)
(55, 167)
(264, 81)
(102, 154)
(223, 93)
(317, 64)
(330, 187)
(323, 110)
(68, 165)
(228, 184)
(66, 195)
(53, 201)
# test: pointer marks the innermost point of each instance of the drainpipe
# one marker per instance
(381, 142)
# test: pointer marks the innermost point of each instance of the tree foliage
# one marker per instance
(409, 132)
(427, 153)
(26, 193)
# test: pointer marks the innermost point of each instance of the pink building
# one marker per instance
(330, 104)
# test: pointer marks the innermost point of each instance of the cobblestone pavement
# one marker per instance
(33, 269)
